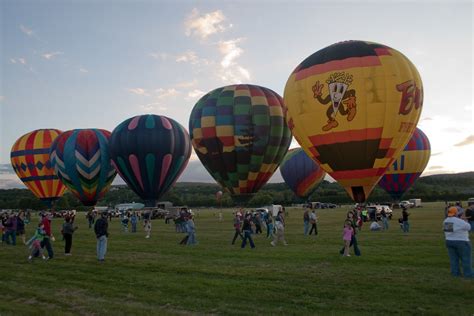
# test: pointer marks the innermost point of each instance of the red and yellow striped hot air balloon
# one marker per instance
(352, 107)
(30, 160)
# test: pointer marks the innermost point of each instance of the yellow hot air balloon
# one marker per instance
(353, 107)
(30, 160)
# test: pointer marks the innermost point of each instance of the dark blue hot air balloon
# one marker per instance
(150, 152)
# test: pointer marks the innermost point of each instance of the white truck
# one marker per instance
(273, 209)
(415, 202)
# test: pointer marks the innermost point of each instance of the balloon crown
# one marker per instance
(340, 77)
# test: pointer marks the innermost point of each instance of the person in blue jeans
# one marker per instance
(306, 221)
(10, 230)
(101, 232)
(247, 230)
(456, 233)
(405, 223)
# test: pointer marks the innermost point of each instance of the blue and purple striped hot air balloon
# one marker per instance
(407, 168)
(81, 160)
(150, 152)
(301, 173)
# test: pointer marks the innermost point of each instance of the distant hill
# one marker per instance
(442, 187)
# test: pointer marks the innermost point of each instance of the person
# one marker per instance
(20, 226)
(247, 230)
(35, 243)
(406, 224)
(456, 232)
(10, 229)
(125, 223)
(258, 223)
(374, 226)
(67, 230)
(147, 223)
(237, 227)
(269, 222)
(312, 221)
(347, 237)
(191, 229)
(90, 218)
(306, 221)
(133, 221)
(101, 232)
(280, 229)
(350, 218)
(383, 215)
(469, 215)
(46, 243)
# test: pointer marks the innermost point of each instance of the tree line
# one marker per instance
(451, 187)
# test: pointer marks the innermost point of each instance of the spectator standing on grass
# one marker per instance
(67, 230)
(456, 232)
(20, 226)
(237, 227)
(306, 221)
(133, 221)
(383, 215)
(48, 238)
(312, 220)
(469, 214)
(405, 223)
(191, 229)
(269, 222)
(347, 237)
(101, 232)
(147, 223)
(350, 218)
(280, 230)
(10, 229)
(247, 230)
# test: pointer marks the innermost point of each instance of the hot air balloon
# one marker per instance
(408, 167)
(352, 107)
(150, 152)
(81, 160)
(240, 135)
(30, 160)
(301, 173)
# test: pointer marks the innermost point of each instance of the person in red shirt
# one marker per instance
(46, 243)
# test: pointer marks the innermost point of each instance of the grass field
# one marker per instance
(396, 274)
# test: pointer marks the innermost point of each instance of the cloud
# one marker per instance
(195, 94)
(153, 107)
(138, 91)
(468, 141)
(51, 55)
(83, 70)
(230, 70)
(26, 30)
(191, 58)
(2, 98)
(18, 60)
(436, 167)
(204, 25)
(161, 56)
(166, 93)
(186, 84)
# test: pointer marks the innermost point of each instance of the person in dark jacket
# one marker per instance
(247, 229)
(67, 230)
(101, 232)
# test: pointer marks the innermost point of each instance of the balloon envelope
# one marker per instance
(403, 173)
(81, 160)
(150, 152)
(352, 107)
(30, 160)
(301, 173)
(240, 135)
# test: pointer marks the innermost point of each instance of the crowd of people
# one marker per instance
(457, 225)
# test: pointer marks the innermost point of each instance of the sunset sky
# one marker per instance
(93, 64)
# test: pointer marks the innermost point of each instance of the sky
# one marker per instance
(93, 64)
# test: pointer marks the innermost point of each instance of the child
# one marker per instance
(347, 236)
(35, 242)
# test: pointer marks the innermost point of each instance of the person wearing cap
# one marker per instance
(456, 232)
(101, 232)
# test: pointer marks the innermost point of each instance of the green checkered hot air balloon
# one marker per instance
(240, 135)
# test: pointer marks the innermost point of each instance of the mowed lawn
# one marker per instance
(396, 274)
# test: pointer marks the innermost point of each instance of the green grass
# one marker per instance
(396, 274)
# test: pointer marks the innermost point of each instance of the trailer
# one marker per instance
(415, 202)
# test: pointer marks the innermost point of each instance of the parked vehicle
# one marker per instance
(470, 201)
(406, 204)
(415, 202)
(378, 210)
